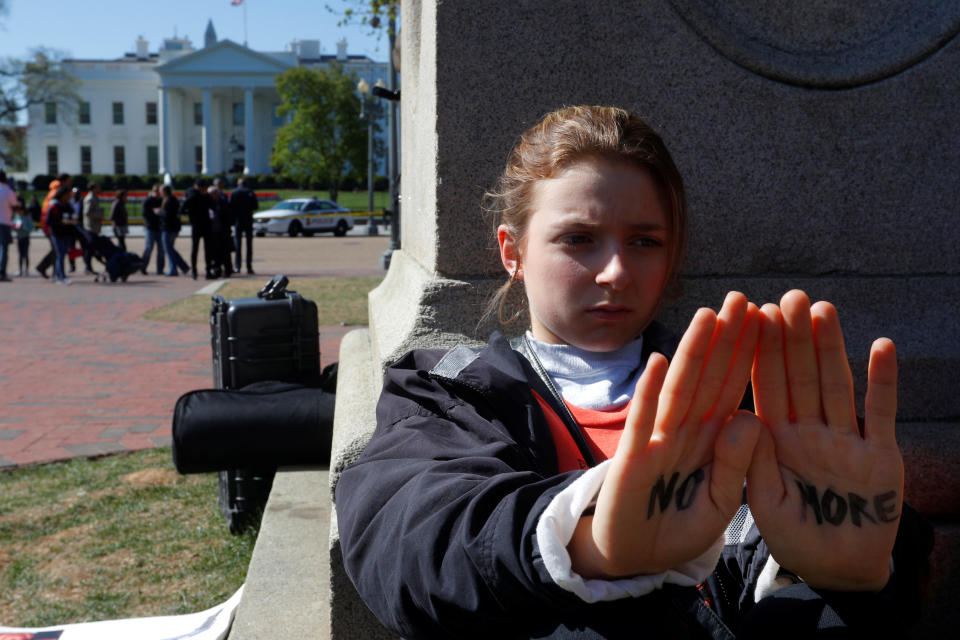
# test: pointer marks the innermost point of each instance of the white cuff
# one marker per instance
(555, 530)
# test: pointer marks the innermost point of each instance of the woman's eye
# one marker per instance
(575, 239)
(648, 241)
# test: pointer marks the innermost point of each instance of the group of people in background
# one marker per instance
(213, 213)
(72, 220)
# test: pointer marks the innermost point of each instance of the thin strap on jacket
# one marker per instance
(522, 346)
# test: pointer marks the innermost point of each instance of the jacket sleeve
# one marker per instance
(438, 517)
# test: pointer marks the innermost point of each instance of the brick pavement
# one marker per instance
(83, 374)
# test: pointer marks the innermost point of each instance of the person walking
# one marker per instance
(196, 204)
(152, 230)
(169, 213)
(62, 223)
(92, 211)
(23, 226)
(220, 225)
(118, 218)
(8, 204)
(243, 204)
(63, 180)
(91, 223)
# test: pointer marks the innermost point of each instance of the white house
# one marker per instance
(179, 110)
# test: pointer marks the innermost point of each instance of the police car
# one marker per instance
(305, 216)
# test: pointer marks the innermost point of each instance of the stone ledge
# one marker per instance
(358, 387)
(287, 587)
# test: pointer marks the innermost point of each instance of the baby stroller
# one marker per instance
(118, 264)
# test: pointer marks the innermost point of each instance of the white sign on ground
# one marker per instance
(212, 624)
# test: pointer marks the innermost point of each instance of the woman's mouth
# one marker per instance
(608, 311)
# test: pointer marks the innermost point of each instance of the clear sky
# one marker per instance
(109, 28)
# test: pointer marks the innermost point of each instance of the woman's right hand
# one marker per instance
(676, 479)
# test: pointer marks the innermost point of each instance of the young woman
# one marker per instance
(573, 484)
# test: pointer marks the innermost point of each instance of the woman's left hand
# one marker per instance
(826, 498)
(677, 476)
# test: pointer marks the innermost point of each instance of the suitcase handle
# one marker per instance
(275, 289)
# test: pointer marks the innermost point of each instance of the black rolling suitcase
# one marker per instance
(274, 336)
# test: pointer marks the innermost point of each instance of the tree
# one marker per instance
(371, 13)
(324, 139)
(13, 147)
(25, 83)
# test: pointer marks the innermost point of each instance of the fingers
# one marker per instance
(733, 453)
(736, 382)
(836, 381)
(880, 411)
(803, 379)
(643, 410)
(764, 482)
(723, 345)
(771, 398)
(680, 384)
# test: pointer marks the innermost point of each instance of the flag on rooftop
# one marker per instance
(236, 2)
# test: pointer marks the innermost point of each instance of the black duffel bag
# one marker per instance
(264, 424)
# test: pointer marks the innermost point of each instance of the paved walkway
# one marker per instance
(82, 373)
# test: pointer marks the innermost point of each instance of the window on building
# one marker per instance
(119, 160)
(276, 119)
(53, 165)
(198, 113)
(153, 159)
(50, 112)
(83, 112)
(198, 159)
(238, 114)
(117, 113)
(86, 164)
(151, 113)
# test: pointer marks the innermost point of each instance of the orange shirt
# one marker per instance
(601, 429)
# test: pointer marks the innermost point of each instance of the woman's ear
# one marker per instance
(509, 250)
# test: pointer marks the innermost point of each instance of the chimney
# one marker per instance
(143, 48)
(342, 50)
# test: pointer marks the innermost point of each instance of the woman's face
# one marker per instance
(595, 257)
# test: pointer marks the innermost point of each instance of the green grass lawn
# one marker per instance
(339, 300)
(114, 537)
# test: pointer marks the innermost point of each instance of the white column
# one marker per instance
(207, 131)
(164, 130)
(247, 131)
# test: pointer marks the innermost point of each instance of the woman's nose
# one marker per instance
(613, 272)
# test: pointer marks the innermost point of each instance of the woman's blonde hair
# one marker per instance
(566, 136)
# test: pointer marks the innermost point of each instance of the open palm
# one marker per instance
(674, 483)
(826, 498)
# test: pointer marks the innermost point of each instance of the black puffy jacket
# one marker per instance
(438, 517)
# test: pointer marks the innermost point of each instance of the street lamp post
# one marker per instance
(391, 94)
(393, 163)
(367, 112)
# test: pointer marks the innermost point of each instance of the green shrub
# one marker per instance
(183, 180)
(41, 182)
(268, 181)
(105, 181)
